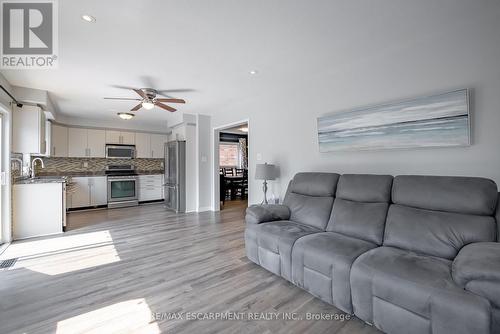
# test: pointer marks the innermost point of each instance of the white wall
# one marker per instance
(204, 157)
(448, 46)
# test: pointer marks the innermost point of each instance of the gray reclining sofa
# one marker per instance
(408, 254)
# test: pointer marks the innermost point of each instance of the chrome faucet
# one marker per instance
(33, 162)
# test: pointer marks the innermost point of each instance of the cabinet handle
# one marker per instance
(54, 149)
(152, 154)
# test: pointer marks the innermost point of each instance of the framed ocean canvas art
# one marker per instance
(440, 120)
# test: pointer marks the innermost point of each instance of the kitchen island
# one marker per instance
(39, 207)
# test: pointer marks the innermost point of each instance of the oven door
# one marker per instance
(122, 188)
(120, 152)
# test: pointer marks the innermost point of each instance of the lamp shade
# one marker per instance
(265, 172)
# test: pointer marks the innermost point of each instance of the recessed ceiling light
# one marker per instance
(253, 72)
(125, 115)
(88, 18)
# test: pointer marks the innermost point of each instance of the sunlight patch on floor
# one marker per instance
(59, 255)
(131, 316)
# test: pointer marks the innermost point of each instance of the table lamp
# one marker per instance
(265, 172)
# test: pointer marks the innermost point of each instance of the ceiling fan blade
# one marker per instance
(166, 92)
(164, 106)
(137, 107)
(171, 100)
(121, 98)
(123, 87)
(140, 92)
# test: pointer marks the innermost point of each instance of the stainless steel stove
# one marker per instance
(123, 186)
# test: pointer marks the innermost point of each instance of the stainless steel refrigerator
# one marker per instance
(175, 176)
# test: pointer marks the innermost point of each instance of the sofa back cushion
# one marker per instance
(438, 215)
(310, 198)
(497, 216)
(360, 207)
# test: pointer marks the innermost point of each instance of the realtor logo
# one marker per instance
(29, 34)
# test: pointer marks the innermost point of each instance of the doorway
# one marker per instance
(231, 165)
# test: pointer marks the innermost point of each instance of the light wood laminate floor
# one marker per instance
(145, 270)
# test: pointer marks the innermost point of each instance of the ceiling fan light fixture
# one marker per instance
(125, 115)
(148, 105)
(88, 18)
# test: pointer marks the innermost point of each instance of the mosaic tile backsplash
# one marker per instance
(95, 165)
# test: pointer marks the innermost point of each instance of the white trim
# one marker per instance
(107, 128)
(6, 211)
(206, 208)
(215, 158)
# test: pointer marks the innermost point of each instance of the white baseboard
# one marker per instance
(205, 208)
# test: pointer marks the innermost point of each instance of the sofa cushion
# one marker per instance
(468, 195)
(368, 188)
(438, 215)
(315, 184)
(310, 198)
(321, 264)
(389, 283)
(435, 233)
(270, 244)
(360, 206)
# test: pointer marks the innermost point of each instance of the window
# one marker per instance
(229, 155)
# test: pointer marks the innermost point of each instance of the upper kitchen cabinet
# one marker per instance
(96, 142)
(158, 145)
(86, 143)
(59, 141)
(143, 145)
(28, 130)
(120, 137)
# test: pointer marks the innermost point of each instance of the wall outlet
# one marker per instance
(162, 164)
(85, 164)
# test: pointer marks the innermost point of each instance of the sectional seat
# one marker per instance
(407, 285)
(271, 231)
(321, 262)
(409, 254)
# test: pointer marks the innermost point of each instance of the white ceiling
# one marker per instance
(210, 47)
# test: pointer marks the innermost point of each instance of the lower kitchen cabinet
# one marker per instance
(87, 191)
(150, 187)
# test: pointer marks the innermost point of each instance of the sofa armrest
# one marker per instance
(477, 269)
(257, 214)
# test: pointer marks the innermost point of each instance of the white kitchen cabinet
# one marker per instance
(150, 187)
(80, 194)
(120, 137)
(128, 138)
(77, 142)
(59, 141)
(88, 191)
(143, 145)
(98, 190)
(96, 142)
(158, 145)
(113, 137)
(38, 209)
(86, 143)
(28, 130)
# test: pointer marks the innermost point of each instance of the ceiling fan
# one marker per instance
(148, 99)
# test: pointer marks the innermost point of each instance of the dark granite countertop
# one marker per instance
(41, 179)
(100, 173)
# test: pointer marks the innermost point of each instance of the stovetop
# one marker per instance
(120, 170)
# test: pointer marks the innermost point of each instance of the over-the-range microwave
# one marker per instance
(120, 151)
